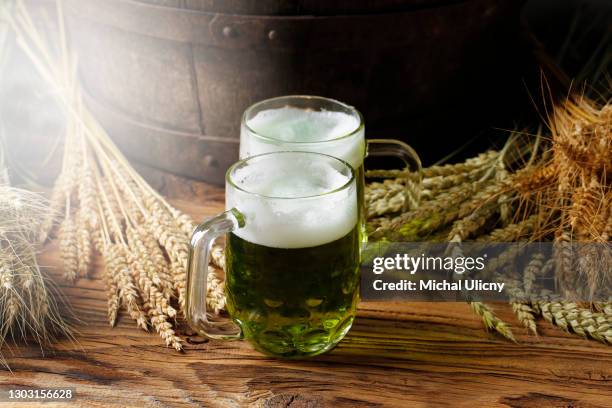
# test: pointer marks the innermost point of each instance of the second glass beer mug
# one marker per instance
(292, 254)
(323, 125)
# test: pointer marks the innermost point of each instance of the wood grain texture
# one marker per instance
(396, 355)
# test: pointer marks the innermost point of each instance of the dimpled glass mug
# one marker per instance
(323, 125)
(292, 254)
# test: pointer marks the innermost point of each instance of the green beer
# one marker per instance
(290, 307)
(292, 254)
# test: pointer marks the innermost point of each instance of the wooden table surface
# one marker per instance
(396, 354)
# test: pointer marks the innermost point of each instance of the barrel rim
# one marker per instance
(224, 30)
(422, 5)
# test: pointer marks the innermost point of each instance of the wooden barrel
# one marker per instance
(299, 7)
(170, 79)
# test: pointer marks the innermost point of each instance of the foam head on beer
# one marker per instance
(299, 127)
(294, 201)
(294, 125)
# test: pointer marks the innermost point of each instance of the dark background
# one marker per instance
(554, 37)
(573, 34)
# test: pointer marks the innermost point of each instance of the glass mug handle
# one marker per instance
(399, 149)
(197, 274)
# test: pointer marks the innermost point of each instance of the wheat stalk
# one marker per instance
(512, 232)
(533, 269)
(491, 321)
(526, 315)
(473, 163)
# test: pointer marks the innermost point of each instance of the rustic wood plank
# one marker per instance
(397, 354)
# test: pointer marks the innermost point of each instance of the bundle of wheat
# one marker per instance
(106, 205)
(559, 189)
(572, 189)
(28, 307)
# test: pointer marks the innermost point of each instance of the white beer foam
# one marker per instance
(285, 221)
(300, 125)
(289, 125)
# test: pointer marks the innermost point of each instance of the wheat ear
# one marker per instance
(491, 321)
(583, 322)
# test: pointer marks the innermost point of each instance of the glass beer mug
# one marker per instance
(292, 254)
(323, 125)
